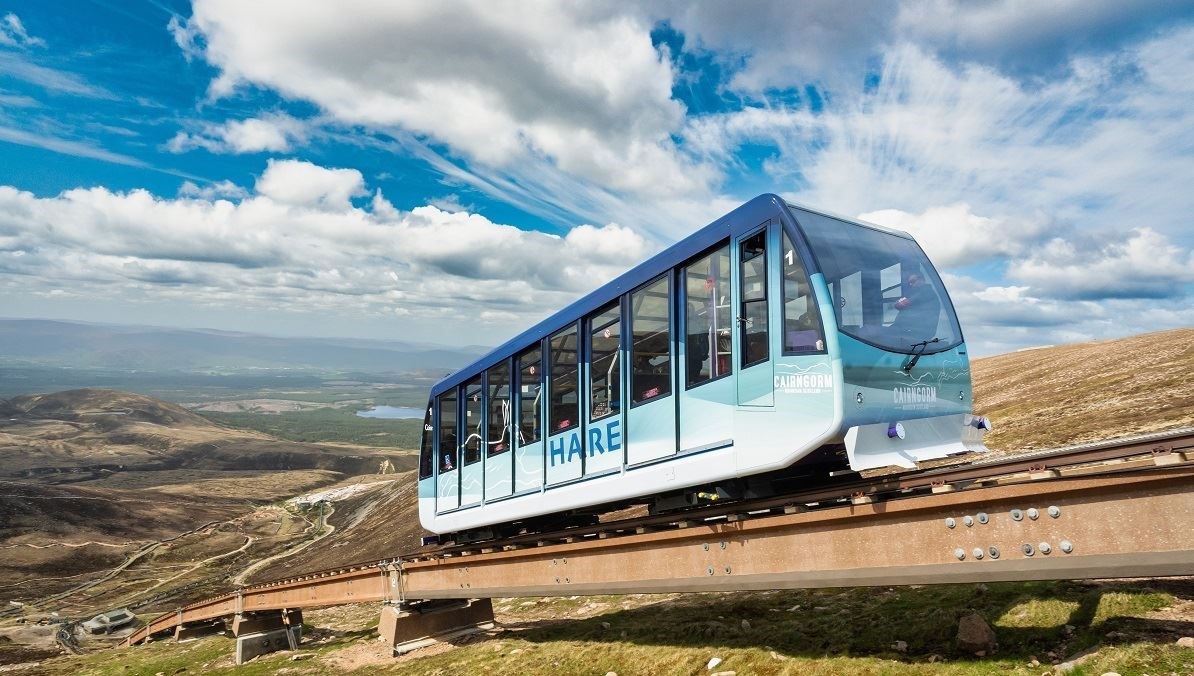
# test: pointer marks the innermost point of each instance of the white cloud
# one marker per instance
(297, 244)
(1026, 36)
(274, 132)
(999, 319)
(578, 84)
(306, 184)
(13, 33)
(954, 236)
(1106, 145)
(782, 44)
(1145, 265)
(212, 191)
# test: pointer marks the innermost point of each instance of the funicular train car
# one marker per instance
(757, 355)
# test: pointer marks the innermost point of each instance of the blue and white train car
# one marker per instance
(750, 358)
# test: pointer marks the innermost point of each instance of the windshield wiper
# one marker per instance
(916, 355)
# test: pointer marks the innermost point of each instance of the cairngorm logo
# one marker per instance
(904, 395)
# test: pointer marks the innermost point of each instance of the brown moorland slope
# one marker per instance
(86, 434)
(106, 488)
(1069, 394)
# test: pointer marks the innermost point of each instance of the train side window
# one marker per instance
(498, 381)
(650, 342)
(708, 317)
(530, 396)
(564, 387)
(605, 383)
(449, 453)
(802, 322)
(752, 255)
(474, 406)
(426, 461)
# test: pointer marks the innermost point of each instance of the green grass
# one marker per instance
(846, 631)
(327, 424)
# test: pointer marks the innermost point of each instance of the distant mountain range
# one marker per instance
(81, 345)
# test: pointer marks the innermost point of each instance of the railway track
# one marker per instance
(931, 520)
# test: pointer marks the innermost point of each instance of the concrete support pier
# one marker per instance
(265, 632)
(409, 626)
(266, 620)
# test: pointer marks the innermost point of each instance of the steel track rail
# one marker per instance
(1104, 467)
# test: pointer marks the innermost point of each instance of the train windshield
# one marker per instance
(885, 290)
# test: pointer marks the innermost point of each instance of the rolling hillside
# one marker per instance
(1070, 394)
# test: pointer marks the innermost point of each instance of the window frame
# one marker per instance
(548, 433)
(945, 298)
(682, 271)
(489, 399)
(478, 378)
(517, 385)
(799, 257)
(616, 307)
(740, 319)
(670, 276)
(454, 393)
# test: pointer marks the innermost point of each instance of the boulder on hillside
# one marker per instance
(975, 635)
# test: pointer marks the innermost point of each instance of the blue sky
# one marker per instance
(453, 171)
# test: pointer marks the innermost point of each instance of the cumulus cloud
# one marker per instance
(955, 236)
(1001, 318)
(306, 184)
(297, 243)
(781, 44)
(1027, 37)
(275, 132)
(581, 85)
(1145, 265)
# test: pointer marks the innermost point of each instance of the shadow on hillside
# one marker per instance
(1030, 619)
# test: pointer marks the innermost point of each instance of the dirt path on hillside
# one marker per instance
(239, 579)
(130, 560)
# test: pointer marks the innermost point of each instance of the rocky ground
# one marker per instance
(1127, 627)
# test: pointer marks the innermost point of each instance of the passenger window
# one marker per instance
(565, 381)
(530, 393)
(890, 282)
(426, 459)
(605, 340)
(849, 300)
(650, 342)
(802, 321)
(752, 253)
(708, 348)
(449, 454)
(499, 409)
(473, 408)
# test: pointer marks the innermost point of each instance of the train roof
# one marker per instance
(762, 207)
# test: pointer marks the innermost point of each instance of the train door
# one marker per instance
(447, 494)
(472, 470)
(651, 417)
(528, 421)
(756, 372)
(603, 393)
(565, 455)
(499, 466)
(705, 387)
